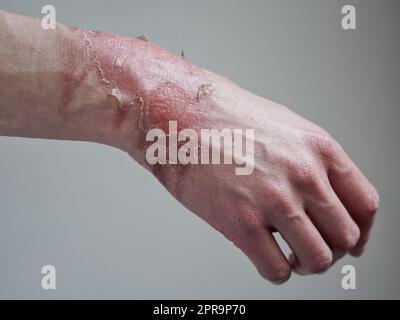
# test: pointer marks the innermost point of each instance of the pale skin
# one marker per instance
(76, 84)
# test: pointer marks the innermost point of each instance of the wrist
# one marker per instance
(96, 91)
(139, 86)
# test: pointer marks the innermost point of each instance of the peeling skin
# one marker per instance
(119, 61)
(95, 55)
(204, 90)
(146, 95)
(171, 91)
(93, 32)
(140, 100)
(117, 94)
(92, 57)
(143, 37)
(165, 88)
(140, 124)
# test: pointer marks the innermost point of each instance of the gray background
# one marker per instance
(113, 232)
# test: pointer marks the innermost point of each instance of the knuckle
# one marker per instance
(275, 189)
(344, 168)
(372, 205)
(320, 263)
(290, 217)
(287, 217)
(277, 200)
(249, 225)
(323, 143)
(278, 276)
(304, 172)
(349, 239)
(242, 227)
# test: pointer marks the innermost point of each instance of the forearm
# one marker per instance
(78, 84)
(34, 77)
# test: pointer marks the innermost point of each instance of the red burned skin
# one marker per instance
(169, 102)
(145, 86)
(112, 59)
(106, 56)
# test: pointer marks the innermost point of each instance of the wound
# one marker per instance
(170, 102)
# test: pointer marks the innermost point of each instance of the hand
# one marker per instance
(303, 185)
(93, 86)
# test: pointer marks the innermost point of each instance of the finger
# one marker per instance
(331, 218)
(358, 196)
(312, 254)
(262, 249)
(337, 255)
